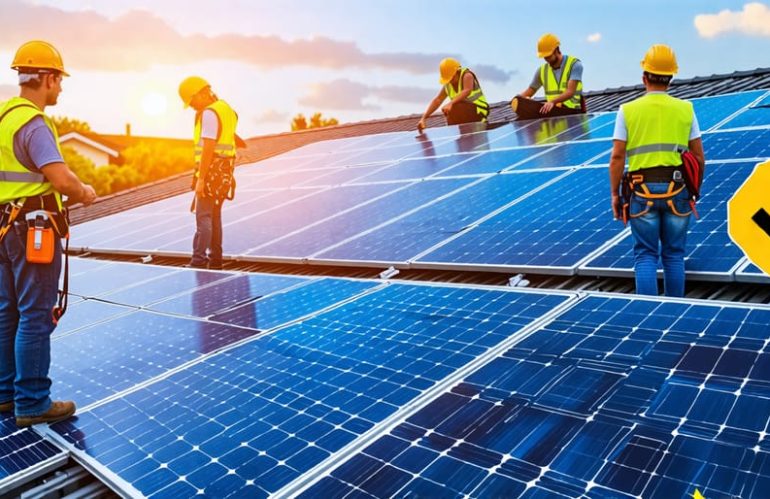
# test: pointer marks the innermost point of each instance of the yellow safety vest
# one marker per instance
(553, 89)
(475, 97)
(16, 181)
(658, 130)
(228, 120)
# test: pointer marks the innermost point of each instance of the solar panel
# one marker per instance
(416, 168)
(737, 144)
(494, 161)
(24, 455)
(338, 176)
(87, 312)
(551, 231)
(100, 281)
(601, 127)
(712, 110)
(616, 397)
(404, 239)
(751, 273)
(710, 252)
(757, 114)
(249, 420)
(573, 154)
(346, 225)
(591, 124)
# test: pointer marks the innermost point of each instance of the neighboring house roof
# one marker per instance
(126, 141)
(92, 140)
(270, 145)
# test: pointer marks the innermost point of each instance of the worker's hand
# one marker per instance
(87, 195)
(447, 109)
(420, 126)
(617, 207)
(200, 189)
(546, 108)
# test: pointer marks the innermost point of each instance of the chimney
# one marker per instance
(128, 129)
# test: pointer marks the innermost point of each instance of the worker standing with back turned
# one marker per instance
(32, 223)
(467, 103)
(561, 77)
(653, 131)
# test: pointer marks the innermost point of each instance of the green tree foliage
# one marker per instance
(66, 125)
(300, 122)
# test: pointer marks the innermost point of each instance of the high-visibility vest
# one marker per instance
(658, 130)
(553, 89)
(475, 97)
(225, 146)
(16, 181)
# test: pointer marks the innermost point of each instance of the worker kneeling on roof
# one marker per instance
(467, 102)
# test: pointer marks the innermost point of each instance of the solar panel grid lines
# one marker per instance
(751, 144)
(568, 154)
(748, 272)
(418, 168)
(714, 110)
(722, 124)
(25, 455)
(86, 313)
(483, 427)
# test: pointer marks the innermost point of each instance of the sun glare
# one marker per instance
(154, 104)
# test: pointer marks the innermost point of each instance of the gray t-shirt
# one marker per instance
(35, 146)
(577, 73)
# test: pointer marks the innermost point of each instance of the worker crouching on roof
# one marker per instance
(561, 77)
(32, 223)
(467, 102)
(213, 182)
(652, 132)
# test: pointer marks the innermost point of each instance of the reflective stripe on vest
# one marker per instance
(658, 130)
(17, 181)
(228, 120)
(553, 89)
(476, 96)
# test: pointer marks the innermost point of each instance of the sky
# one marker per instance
(352, 60)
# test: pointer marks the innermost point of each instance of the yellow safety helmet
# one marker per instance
(447, 69)
(191, 86)
(660, 60)
(547, 44)
(38, 54)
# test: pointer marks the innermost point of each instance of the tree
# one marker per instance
(300, 122)
(66, 125)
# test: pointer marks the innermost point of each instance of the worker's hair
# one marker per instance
(33, 79)
(657, 79)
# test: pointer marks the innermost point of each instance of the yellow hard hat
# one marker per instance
(660, 60)
(447, 69)
(38, 54)
(547, 44)
(191, 86)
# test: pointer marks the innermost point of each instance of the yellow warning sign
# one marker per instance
(748, 217)
(697, 495)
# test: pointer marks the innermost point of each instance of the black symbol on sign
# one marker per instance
(762, 219)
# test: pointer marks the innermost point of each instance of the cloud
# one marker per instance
(273, 116)
(139, 39)
(594, 38)
(345, 94)
(8, 91)
(753, 20)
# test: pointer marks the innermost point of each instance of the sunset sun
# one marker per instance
(154, 104)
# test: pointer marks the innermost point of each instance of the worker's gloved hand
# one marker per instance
(420, 126)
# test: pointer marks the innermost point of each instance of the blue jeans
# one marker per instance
(208, 232)
(660, 232)
(28, 292)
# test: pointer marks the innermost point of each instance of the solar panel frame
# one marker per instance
(748, 272)
(26, 456)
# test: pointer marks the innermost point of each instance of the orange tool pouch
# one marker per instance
(40, 238)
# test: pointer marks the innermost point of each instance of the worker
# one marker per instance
(467, 103)
(215, 143)
(652, 132)
(32, 223)
(561, 77)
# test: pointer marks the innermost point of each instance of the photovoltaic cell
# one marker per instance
(115, 277)
(737, 144)
(340, 176)
(616, 397)
(554, 228)
(404, 239)
(493, 161)
(416, 168)
(573, 154)
(87, 312)
(21, 451)
(712, 110)
(144, 293)
(709, 248)
(337, 229)
(755, 115)
(249, 420)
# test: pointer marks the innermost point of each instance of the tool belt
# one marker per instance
(635, 184)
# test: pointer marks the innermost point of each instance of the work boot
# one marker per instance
(59, 411)
(215, 266)
(7, 406)
(195, 265)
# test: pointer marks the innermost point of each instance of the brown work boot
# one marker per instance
(59, 411)
(7, 406)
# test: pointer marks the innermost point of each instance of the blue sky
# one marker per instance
(353, 60)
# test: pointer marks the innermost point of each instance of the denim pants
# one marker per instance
(28, 292)
(208, 232)
(659, 228)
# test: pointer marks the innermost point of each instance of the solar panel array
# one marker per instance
(344, 201)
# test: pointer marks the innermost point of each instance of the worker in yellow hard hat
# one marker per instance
(561, 77)
(33, 223)
(467, 102)
(215, 143)
(653, 132)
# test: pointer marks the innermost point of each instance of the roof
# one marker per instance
(92, 140)
(265, 146)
